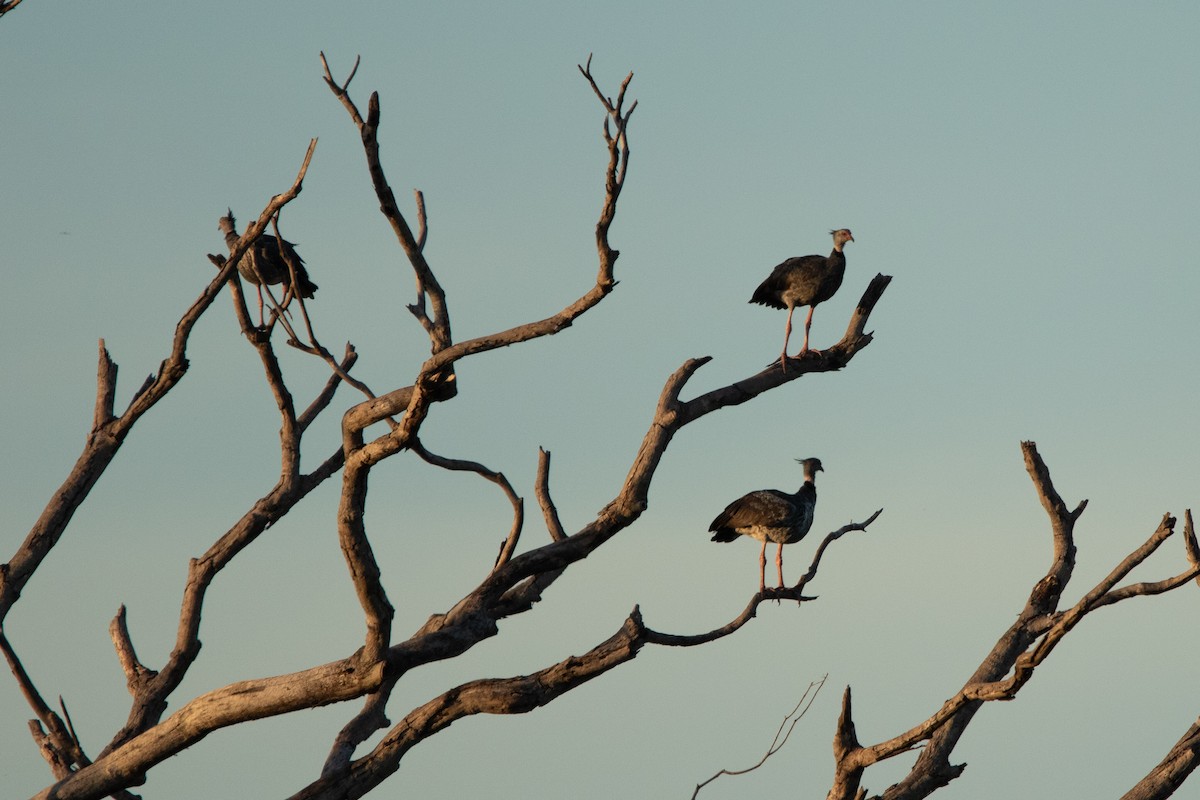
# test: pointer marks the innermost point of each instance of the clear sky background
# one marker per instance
(1027, 172)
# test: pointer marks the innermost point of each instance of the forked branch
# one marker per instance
(781, 735)
(109, 431)
(1013, 660)
(512, 586)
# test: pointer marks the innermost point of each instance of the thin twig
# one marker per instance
(461, 465)
(785, 730)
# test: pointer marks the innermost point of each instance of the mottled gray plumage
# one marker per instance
(770, 515)
(266, 261)
(804, 281)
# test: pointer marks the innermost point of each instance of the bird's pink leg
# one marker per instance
(779, 563)
(787, 334)
(762, 568)
(261, 322)
(807, 325)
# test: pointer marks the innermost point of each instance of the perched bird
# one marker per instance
(804, 281)
(770, 515)
(266, 262)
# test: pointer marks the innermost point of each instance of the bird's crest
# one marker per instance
(227, 224)
(811, 465)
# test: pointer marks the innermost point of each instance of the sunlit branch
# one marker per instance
(541, 489)
(8, 5)
(1013, 660)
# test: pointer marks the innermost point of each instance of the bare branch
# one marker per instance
(150, 689)
(104, 441)
(341, 372)
(1189, 540)
(1009, 666)
(1172, 771)
(829, 360)
(360, 557)
(136, 673)
(230, 705)
(781, 735)
(516, 695)
(437, 327)
(106, 389)
(418, 306)
(341, 91)
(771, 593)
(373, 717)
(828, 540)
(541, 489)
(518, 503)
(1062, 524)
(845, 747)
(56, 741)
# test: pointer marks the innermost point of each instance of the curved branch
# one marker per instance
(781, 736)
(461, 465)
(771, 593)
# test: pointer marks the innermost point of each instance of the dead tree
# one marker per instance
(513, 585)
(1011, 664)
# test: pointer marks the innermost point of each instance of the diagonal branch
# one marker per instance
(230, 705)
(1012, 662)
(516, 695)
(781, 736)
(105, 439)
(151, 689)
(1172, 771)
(56, 741)
(829, 360)
(340, 374)
(437, 327)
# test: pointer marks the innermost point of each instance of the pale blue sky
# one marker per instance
(1027, 172)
